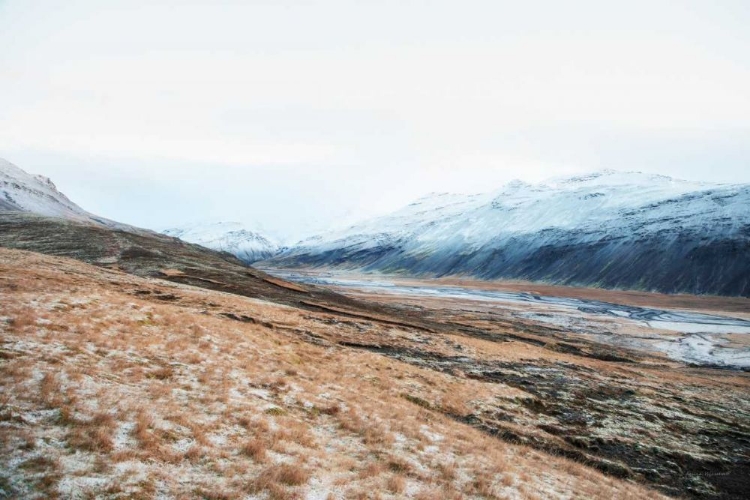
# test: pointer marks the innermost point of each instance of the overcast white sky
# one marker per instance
(296, 113)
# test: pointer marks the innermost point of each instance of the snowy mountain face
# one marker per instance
(248, 246)
(23, 192)
(609, 229)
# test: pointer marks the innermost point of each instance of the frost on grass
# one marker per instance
(104, 393)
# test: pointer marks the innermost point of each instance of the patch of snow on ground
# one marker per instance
(704, 348)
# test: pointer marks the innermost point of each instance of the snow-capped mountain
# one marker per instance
(233, 237)
(609, 229)
(20, 191)
(24, 192)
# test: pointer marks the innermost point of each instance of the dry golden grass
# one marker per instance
(396, 484)
(106, 393)
(255, 449)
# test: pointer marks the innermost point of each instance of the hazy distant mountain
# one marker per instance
(247, 245)
(608, 229)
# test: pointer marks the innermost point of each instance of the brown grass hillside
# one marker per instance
(115, 386)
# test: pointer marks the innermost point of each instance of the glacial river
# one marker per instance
(702, 339)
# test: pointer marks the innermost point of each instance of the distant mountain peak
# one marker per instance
(246, 243)
(517, 184)
(593, 176)
(609, 177)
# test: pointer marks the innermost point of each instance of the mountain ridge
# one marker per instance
(607, 229)
(228, 236)
(24, 192)
(610, 229)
